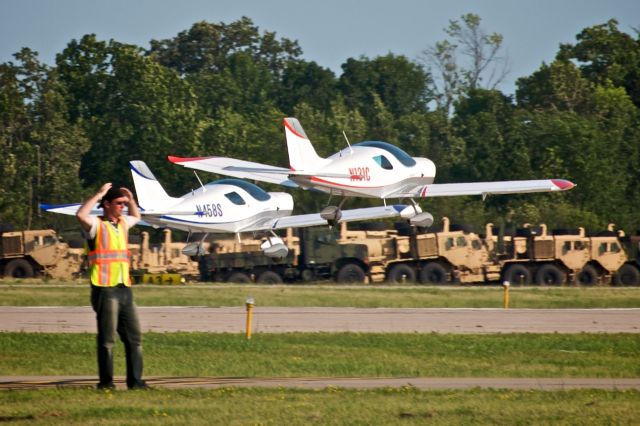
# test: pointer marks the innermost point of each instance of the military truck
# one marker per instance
(314, 254)
(25, 254)
(161, 263)
(629, 273)
(526, 256)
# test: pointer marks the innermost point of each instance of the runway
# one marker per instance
(332, 320)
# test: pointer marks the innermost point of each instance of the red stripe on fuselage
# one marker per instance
(317, 179)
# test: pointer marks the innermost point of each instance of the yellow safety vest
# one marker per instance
(109, 254)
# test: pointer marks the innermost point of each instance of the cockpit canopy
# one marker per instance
(253, 190)
(399, 154)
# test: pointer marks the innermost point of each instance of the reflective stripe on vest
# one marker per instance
(109, 260)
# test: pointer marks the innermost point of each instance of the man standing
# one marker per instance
(111, 295)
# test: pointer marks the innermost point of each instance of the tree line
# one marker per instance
(223, 89)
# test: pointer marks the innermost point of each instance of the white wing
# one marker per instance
(68, 209)
(484, 188)
(314, 219)
(238, 168)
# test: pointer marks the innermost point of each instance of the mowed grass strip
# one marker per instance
(216, 295)
(236, 406)
(336, 355)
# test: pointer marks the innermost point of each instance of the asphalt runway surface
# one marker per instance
(359, 320)
(332, 320)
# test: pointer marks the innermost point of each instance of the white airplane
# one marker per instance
(371, 169)
(226, 206)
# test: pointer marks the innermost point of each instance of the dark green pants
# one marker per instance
(116, 312)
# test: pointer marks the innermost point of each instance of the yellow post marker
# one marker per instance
(249, 303)
(506, 294)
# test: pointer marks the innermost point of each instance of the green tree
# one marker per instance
(470, 59)
(207, 47)
(607, 55)
(306, 82)
(41, 150)
(400, 84)
(130, 107)
(556, 87)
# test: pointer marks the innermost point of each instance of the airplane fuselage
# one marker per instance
(369, 172)
(223, 208)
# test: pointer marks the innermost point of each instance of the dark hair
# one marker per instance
(112, 194)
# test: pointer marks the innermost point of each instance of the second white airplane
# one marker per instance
(371, 169)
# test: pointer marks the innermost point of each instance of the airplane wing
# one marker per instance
(314, 219)
(71, 209)
(483, 188)
(237, 168)
(68, 209)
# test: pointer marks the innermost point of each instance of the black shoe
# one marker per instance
(109, 386)
(140, 386)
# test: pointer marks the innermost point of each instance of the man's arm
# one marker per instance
(84, 212)
(132, 205)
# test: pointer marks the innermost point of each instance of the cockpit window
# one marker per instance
(402, 156)
(235, 198)
(254, 190)
(383, 162)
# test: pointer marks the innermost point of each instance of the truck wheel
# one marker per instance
(588, 276)
(239, 277)
(550, 275)
(517, 274)
(627, 275)
(401, 274)
(351, 274)
(269, 277)
(433, 273)
(19, 268)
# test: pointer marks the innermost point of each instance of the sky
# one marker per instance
(328, 31)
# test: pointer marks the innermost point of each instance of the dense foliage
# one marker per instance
(223, 89)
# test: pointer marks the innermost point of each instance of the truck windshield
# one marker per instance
(253, 190)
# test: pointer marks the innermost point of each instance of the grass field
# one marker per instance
(405, 406)
(336, 355)
(330, 355)
(215, 295)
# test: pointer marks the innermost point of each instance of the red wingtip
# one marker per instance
(563, 184)
(174, 159)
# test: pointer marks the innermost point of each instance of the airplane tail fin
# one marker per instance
(302, 155)
(151, 195)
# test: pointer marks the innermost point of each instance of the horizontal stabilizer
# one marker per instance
(69, 209)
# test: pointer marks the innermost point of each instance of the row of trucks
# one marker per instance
(33, 253)
(451, 254)
(371, 254)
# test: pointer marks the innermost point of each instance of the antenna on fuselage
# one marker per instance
(204, 189)
(347, 139)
